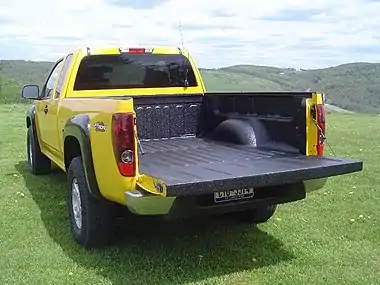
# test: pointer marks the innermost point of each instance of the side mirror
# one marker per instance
(30, 91)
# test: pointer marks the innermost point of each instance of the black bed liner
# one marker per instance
(192, 166)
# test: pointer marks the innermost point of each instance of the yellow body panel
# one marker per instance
(111, 184)
(311, 140)
(311, 128)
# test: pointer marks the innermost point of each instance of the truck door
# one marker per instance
(54, 134)
(43, 108)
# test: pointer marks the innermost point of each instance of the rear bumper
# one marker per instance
(143, 203)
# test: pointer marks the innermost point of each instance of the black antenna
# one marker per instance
(186, 82)
(180, 31)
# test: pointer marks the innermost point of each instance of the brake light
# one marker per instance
(137, 50)
(321, 125)
(124, 143)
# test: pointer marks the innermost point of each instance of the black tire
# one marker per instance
(97, 215)
(38, 163)
(255, 216)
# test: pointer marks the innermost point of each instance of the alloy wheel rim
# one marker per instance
(76, 203)
(30, 153)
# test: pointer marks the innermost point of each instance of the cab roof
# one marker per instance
(103, 50)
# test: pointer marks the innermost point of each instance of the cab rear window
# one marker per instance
(123, 71)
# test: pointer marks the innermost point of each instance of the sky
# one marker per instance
(283, 33)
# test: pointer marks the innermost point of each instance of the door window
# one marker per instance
(62, 76)
(46, 91)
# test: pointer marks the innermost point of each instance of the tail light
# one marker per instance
(124, 143)
(321, 126)
(136, 50)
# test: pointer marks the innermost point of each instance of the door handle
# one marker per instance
(46, 109)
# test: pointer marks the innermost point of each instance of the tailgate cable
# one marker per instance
(323, 136)
(139, 144)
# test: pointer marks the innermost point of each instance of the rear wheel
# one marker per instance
(38, 163)
(256, 216)
(92, 220)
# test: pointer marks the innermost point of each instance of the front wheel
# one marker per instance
(91, 219)
(256, 216)
(38, 163)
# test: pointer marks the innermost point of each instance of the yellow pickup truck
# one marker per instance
(135, 128)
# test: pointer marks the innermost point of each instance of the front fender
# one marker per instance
(79, 127)
(31, 118)
(30, 121)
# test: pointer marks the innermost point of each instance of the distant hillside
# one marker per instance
(15, 73)
(354, 86)
(25, 71)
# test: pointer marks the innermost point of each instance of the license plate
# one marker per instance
(232, 195)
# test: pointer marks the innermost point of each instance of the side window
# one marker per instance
(63, 75)
(46, 91)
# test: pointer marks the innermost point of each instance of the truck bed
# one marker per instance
(192, 165)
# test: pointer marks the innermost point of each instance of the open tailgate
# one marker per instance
(193, 166)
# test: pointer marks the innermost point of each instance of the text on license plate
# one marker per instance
(230, 195)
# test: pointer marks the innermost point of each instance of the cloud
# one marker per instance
(294, 15)
(5, 20)
(145, 4)
(287, 33)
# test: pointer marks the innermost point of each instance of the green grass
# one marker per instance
(313, 241)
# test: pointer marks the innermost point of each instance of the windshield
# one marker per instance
(123, 71)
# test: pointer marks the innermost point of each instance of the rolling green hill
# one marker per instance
(354, 86)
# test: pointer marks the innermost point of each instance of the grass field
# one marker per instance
(332, 237)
